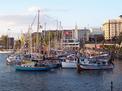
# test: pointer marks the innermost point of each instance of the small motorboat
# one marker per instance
(69, 62)
(13, 59)
(95, 63)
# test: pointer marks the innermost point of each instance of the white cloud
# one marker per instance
(9, 23)
(33, 8)
(44, 10)
(19, 22)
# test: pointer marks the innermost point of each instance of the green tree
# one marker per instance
(5, 41)
(17, 44)
(119, 39)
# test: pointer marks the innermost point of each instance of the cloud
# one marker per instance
(24, 20)
(44, 10)
(15, 20)
(16, 23)
(21, 21)
(33, 8)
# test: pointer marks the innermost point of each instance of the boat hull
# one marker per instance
(96, 67)
(10, 61)
(53, 66)
(23, 68)
(6, 52)
(69, 65)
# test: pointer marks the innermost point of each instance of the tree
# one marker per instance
(119, 39)
(5, 41)
(17, 44)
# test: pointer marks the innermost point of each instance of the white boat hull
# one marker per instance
(69, 64)
(6, 52)
(96, 67)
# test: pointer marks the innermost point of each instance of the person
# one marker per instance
(111, 57)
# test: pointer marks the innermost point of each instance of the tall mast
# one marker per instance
(45, 25)
(38, 23)
(30, 34)
(30, 38)
(49, 44)
(56, 34)
(61, 36)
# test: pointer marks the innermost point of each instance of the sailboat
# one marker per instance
(52, 61)
(33, 66)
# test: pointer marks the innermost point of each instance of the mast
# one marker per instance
(49, 45)
(38, 23)
(44, 35)
(30, 37)
(56, 40)
(30, 31)
(61, 36)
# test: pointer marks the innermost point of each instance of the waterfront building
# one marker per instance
(68, 34)
(68, 38)
(10, 42)
(71, 44)
(96, 31)
(83, 34)
(65, 38)
(75, 36)
(6, 42)
(96, 35)
(112, 28)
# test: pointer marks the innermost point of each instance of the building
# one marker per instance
(73, 37)
(10, 42)
(83, 34)
(68, 34)
(96, 35)
(112, 28)
(71, 44)
(6, 42)
(66, 38)
(96, 31)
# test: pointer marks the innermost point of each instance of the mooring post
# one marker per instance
(111, 85)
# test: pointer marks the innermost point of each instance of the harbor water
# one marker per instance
(59, 79)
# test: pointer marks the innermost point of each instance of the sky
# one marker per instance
(17, 15)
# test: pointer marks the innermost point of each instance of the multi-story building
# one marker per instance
(83, 34)
(75, 36)
(112, 28)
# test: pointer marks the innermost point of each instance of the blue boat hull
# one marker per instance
(23, 68)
